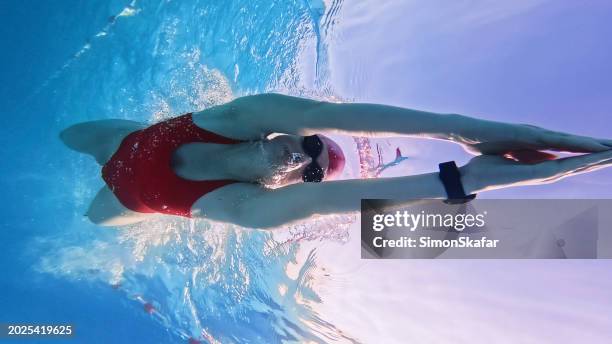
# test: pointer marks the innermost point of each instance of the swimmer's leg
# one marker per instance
(106, 210)
(99, 139)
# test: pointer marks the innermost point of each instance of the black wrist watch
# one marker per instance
(451, 178)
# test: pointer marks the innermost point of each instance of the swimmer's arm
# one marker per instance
(261, 114)
(251, 205)
(266, 113)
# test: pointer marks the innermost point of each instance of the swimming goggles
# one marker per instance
(313, 146)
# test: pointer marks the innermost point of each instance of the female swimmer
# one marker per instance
(219, 163)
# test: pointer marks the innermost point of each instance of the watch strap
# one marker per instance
(451, 179)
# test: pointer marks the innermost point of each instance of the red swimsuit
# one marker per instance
(140, 174)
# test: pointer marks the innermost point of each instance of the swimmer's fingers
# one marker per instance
(554, 170)
(519, 137)
(559, 141)
(606, 142)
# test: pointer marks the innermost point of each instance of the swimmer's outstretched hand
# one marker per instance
(487, 137)
(490, 172)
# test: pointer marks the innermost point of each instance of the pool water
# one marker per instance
(168, 280)
(179, 281)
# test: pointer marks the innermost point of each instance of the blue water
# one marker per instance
(164, 281)
(541, 62)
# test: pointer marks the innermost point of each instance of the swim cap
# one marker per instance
(336, 157)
